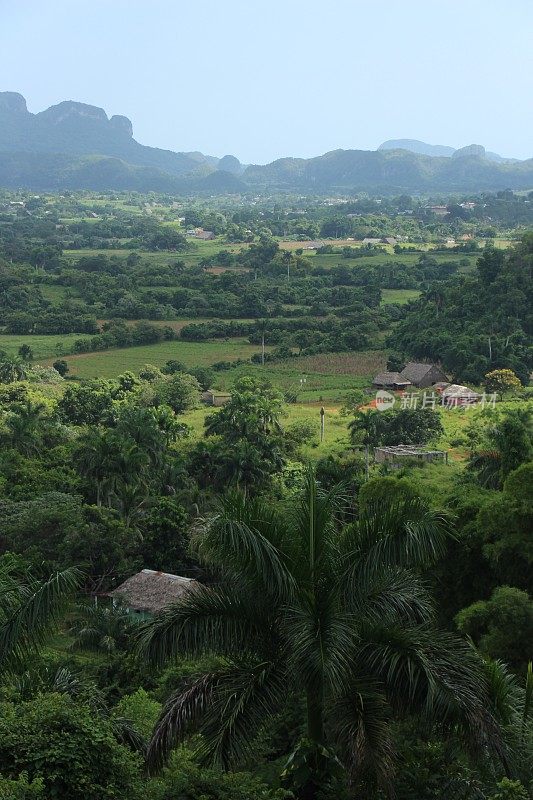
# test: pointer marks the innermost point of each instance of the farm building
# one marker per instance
(205, 235)
(423, 375)
(312, 245)
(457, 395)
(149, 591)
(390, 380)
(402, 452)
(389, 240)
(215, 398)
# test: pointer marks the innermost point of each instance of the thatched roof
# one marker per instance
(390, 379)
(415, 371)
(152, 591)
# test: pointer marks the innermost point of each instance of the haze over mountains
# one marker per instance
(76, 146)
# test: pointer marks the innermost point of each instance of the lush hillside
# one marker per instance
(56, 171)
(391, 171)
(477, 322)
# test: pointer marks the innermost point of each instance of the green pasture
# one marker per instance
(336, 435)
(45, 346)
(110, 363)
(399, 295)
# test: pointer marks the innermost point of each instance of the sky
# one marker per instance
(284, 78)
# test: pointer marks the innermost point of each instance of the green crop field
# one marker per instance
(313, 379)
(110, 363)
(198, 251)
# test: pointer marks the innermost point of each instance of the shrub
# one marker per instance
(74, 752)
(183, 779)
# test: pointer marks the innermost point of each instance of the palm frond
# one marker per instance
(313, 525)
(360, 721)
(386, 597)
(179, 717)
(29, 610)
(321, 646)
(403, 533)
(125, 732)
(243, 540)
(438, 675)
(227, 620)
(227, 708)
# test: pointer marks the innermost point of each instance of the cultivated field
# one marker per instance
(110, 363)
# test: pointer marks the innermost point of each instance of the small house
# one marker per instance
(390, 380)
(423, 375)
(216, 399)
(458, 395)
(398, 454)
(205, 235)
(149, 591)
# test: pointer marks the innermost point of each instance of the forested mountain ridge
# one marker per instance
(76, 146)
(390, 171)
(76, 128)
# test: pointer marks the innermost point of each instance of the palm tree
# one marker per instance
(336, 617)
(25, 427)
(29, 608)
(243, 466)
(364, 428)
(92, 457)
(141, 426)
(12, 369)
(101, 629)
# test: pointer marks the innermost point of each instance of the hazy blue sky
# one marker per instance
(283, 78)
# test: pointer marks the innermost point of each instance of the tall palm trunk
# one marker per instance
(315, 717)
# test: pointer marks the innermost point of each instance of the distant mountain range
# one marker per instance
(441, 150)
(76, 146)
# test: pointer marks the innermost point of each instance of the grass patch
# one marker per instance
(44, 346)
(401, 296)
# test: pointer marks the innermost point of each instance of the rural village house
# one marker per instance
(423, 375)
(390, 380)
(149, 591)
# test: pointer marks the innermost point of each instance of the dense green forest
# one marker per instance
(354, 629)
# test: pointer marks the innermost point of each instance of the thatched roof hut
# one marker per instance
(150, 591)
(423, 375)
(390, 380)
